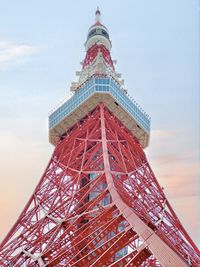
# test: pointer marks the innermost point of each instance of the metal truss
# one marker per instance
(92, 54)
(98, 203)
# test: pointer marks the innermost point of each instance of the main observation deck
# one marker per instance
(85, 99)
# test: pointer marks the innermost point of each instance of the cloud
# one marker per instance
(175, 162)
(187, 209)
(162, 134)
(178, 177)
(11, 54)
(22, 162)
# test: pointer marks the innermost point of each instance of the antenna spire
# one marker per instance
(98, 15)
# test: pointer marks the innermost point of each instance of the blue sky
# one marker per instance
(156, 44)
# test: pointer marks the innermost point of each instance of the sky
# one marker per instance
(156, 45)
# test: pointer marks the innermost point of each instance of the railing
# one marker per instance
(98, 85)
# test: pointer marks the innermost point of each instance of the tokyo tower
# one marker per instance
(98, 202)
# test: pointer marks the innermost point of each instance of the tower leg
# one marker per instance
(98, 204)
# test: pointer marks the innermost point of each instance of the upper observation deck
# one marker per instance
(99, 83)
(100, 90)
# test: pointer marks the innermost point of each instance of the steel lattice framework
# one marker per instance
(98, 202)
(92, 54)
(73, 220)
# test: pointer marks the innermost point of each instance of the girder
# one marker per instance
(98, 203)
(92, 54)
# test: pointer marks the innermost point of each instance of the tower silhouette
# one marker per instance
(98, 202)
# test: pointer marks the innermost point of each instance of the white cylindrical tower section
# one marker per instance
(98, 34)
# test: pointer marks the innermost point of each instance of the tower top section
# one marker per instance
(98, 33)
(99, 82)
(98, 59)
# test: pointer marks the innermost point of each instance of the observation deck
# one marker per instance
(100, 90)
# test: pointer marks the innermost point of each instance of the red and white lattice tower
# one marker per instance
(98, 202)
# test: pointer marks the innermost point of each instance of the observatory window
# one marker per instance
(98, 31)
(102, 85)
(105, 34)
(91, 33)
